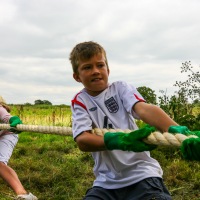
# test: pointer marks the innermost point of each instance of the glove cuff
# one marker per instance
(190, 149)
(179, 129)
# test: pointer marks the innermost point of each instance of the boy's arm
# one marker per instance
(132, 141)
(89, 142)
(153, 115)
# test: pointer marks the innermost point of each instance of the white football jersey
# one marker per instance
(112, 108)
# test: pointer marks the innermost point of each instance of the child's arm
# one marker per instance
(89, 142)
(132, 141)
(4, 115)
(153, 115)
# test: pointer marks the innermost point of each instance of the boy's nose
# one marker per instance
(95, 70)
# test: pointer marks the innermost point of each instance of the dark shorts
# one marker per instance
(147, 189)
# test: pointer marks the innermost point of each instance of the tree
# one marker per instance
(178, 106)
(27, 104)
(148, 94)
(38, 102)
(46, 102)
(191, 87)
(196, 101)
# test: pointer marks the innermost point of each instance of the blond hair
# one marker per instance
(85, 51)
(3, 103)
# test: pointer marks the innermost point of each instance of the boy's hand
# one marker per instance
(190, 149)
(132, 141)
(14, 121)
(180, 129)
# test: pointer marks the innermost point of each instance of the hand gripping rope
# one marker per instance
(156, 138)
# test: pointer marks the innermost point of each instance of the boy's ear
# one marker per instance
(76, 77)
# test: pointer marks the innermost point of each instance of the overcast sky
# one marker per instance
(146, 42)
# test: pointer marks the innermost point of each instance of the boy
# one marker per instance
(123, 172)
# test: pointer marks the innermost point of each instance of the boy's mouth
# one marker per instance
(96, 79)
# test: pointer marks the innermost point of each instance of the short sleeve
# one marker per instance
(129, 96)
(81, 120)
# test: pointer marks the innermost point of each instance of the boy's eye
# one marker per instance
(87, 67)
(100, 65)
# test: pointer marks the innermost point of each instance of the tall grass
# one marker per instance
(43, 114)
(53, 168)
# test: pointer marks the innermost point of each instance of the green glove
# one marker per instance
(190, 149)
(197, 133)
(14, 121)
(180, 129)
(132, 141)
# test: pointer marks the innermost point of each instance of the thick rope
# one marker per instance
(157, 138)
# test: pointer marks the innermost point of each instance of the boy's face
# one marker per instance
(93, 74)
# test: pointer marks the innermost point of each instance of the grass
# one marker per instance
(180, 176)
(53, 168)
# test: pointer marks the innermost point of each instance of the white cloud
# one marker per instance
(146, 42)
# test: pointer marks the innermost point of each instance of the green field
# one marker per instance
(53, 168)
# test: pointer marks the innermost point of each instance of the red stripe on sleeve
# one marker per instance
(138, 98)
(75, 101)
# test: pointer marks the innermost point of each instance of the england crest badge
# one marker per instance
(112, 105)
